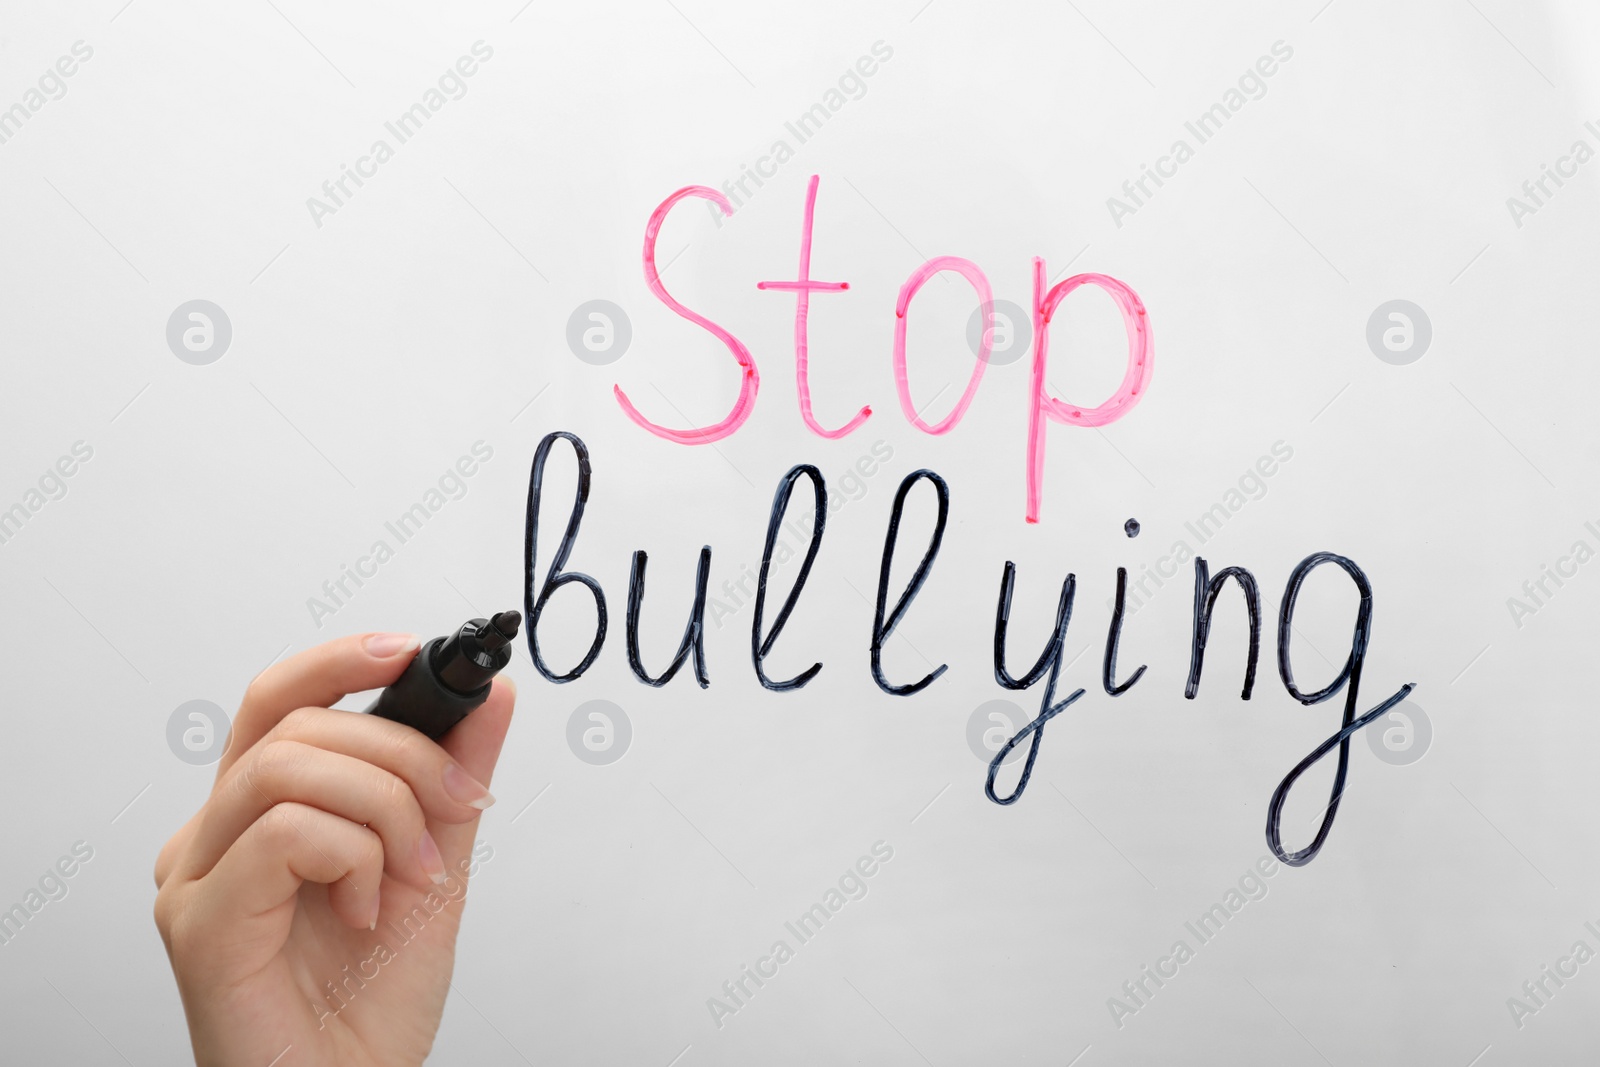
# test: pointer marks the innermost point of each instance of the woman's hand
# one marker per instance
(313, 901)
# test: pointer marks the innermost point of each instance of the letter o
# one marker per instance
(919, 277)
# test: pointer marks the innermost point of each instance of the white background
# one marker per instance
(430, 312)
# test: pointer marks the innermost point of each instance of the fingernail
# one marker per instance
(432, 862)
(377, 902)
(383, 646)
(464, 788)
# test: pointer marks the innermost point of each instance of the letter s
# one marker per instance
(751, 380)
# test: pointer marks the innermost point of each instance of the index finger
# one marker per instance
(319, 677)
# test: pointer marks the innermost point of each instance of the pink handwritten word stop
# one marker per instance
(1041, 406)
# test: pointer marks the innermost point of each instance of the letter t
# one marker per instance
(802, 288)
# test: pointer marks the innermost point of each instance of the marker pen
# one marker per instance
(450, 676)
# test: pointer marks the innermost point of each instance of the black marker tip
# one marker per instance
(501, 630)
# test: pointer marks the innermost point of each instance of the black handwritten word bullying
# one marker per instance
(1045, 671)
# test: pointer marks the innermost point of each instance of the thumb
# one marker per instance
(475, 744)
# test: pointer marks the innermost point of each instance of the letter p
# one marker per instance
(1141, 361)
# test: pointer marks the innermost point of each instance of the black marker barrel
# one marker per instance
(450, 676)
